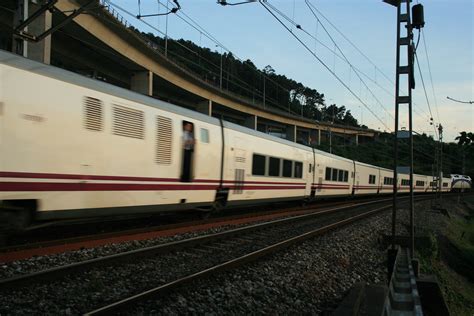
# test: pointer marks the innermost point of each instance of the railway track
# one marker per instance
(28, 248)
(140, 274)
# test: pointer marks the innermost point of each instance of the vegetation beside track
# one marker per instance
(449, 255)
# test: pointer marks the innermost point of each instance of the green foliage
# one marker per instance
(429, 248)
(466, 139)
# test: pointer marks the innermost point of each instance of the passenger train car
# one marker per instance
(75, 147)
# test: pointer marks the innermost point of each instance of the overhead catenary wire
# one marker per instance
(267, 6)
(424, 89)
(213, 39)
(352, 44)
(431, 76)
(347, 60)
(377, 69)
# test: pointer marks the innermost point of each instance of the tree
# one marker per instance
(465, 139)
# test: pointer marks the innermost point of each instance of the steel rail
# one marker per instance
(163, 289)
(52, 274)
(156, 228)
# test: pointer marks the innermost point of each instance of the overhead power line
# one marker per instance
(424, 89)
(353, 45)
(431, 77)
(347, 60)
(267, 6)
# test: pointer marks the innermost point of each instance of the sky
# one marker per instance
(249, 31)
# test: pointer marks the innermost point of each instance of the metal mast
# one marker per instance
(403, 97)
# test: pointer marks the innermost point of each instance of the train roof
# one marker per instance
(23, 63)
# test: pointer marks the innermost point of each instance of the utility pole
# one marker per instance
(404, 73)
(440, 174)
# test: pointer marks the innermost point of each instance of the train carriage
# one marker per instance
(100, 149)
(333, 175)
(446, 184)
(386, 181)
(403, 183)
(261, 168)
(366, 179)
(421, 183)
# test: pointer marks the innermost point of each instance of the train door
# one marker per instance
(188, 148)
(312, 175)
(356, 178)
(379, 183)
(309, 175)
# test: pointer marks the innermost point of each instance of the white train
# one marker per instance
(460, 182)
(74, 147)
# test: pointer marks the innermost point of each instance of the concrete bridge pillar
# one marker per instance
(40, 51)
(142, 82)
(357, 139)
(319, 137)
(205, 107)
(291, 133)
(251, 122)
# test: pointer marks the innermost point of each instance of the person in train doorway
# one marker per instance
(188, 150)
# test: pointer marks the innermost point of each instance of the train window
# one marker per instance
(93, 114)
(298, 169)
(204, 135)
(258, 165)
(371, 179)
(445, 184)
(387, 181)
(287, 168)
(164, 140)
(128, 122)
(310, 168)
(405, 182)
(340, 175)
(274, 167)
(328, 173)
(346, 176)
(334, 174)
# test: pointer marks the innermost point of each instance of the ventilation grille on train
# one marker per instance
(240, 159)
(128, 122)
(93, 114)
(163, 140)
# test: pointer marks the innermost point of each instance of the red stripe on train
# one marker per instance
(8, 174)
(50, 186)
